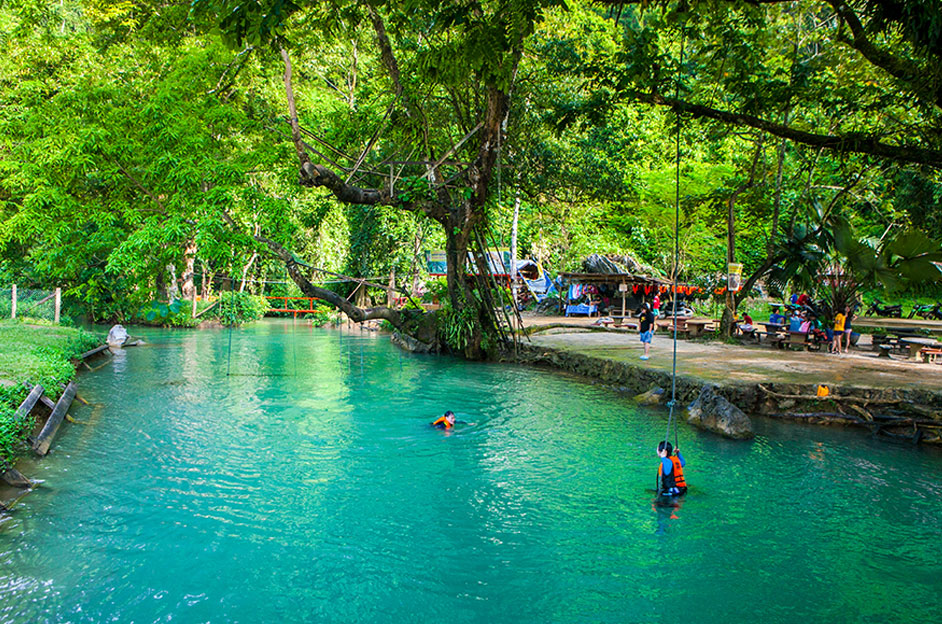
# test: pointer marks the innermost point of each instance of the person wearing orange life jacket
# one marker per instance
(445, 422)
(670, 474)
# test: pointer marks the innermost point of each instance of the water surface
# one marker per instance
(306, 486)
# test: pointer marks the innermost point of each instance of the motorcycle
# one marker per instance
(878, 308)
(927, 311)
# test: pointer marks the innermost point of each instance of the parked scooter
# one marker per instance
(927, 311)
(877, 308)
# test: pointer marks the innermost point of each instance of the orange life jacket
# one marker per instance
(675, 478)
(444, 422)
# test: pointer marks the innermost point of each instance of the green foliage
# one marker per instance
(457, 326)
(237, 308)
(436, 289)
(13, 429)
(31, 355)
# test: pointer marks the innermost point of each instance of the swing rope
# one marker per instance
(673, 401)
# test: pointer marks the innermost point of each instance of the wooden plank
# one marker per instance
(94, 351)
(13, 477)
(44, 439)
(30, 402)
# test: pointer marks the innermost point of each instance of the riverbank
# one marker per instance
(33, 354)
(898, 398)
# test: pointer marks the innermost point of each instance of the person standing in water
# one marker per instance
(670, 474)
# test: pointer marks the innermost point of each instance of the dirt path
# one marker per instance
(718, 362)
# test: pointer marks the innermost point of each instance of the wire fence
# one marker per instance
(29, 304)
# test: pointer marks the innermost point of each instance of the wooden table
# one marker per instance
(697, 327)
(917, 344)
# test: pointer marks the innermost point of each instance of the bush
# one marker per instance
(236, 308)
(436, 289)
(179, 313)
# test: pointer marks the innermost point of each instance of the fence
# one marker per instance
(30, 303)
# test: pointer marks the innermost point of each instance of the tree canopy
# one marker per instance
(151, 150)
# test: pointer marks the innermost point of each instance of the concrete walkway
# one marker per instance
(715, 361)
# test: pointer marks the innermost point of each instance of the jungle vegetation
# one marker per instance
(152, 150)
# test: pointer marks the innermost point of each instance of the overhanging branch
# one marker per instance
(848, 143)
(356, 314)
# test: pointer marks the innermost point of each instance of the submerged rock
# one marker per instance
(654, 396)
(117, 336)
(714, 413)
(408, 343)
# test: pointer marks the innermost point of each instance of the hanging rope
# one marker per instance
(673, 401)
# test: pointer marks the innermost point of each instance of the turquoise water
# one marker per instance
(307, 487)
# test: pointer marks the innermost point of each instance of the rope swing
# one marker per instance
(673, 402)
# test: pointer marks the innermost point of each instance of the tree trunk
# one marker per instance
(729, 311)
(513, 242)
(189, 257)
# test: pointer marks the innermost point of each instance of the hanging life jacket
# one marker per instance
(442, 423)
(674, 482)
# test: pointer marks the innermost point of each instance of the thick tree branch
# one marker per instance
(848, 143)
(901, 69)
(356, 314)
(385, 49)
(293, 114)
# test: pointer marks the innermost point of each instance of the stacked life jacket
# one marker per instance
(674, 482)
(442, 423)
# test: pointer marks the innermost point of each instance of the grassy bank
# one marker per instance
(31, 354)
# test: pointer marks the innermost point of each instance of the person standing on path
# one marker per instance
(839, 321)
(647, 328)
(656, 305)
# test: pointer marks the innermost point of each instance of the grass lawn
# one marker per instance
(31, 354)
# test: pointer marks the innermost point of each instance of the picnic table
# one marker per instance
(918, 344)
(697, 327)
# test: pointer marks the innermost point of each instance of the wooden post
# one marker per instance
(44, 439)
(392, 286)
(193, 313)
(13, 313)
(58, 304)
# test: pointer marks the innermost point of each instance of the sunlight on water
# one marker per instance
(306, 486)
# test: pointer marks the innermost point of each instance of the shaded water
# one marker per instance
(307, 487)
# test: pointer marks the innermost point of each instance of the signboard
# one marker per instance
(498, 262)
(436, 263)
(734, 277)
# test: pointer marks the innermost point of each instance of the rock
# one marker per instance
(714, 413)
(408, 343)
(117, 336)
(654, 396)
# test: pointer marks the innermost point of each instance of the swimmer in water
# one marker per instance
(445, 422)
(448, 421)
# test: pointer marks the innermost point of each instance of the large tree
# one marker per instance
(450, 75)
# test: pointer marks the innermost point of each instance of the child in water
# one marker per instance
(670, 474)
(448, 421)
(445, 422)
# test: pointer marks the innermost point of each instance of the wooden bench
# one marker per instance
(931, 355)
(776, 339)
(681, 326)
(801, 339)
